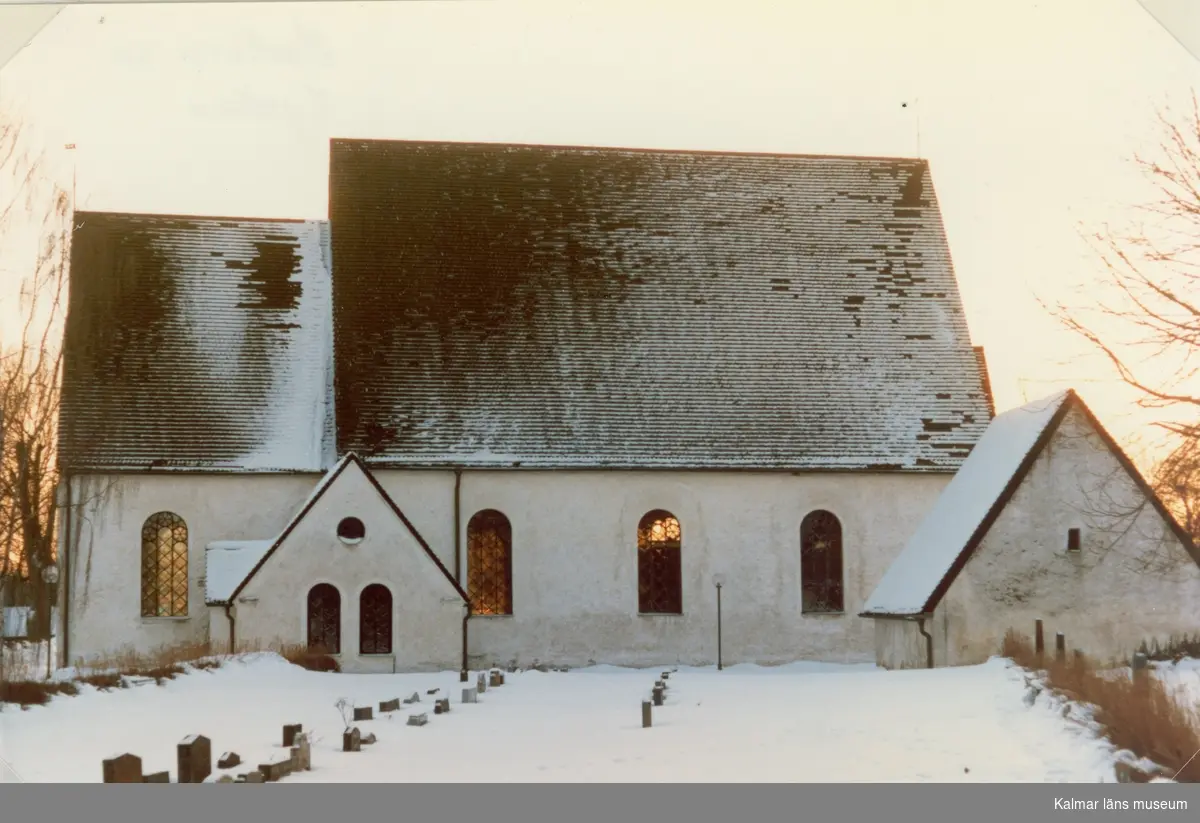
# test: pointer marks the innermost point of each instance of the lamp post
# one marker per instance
(50, 576)
(719, 581)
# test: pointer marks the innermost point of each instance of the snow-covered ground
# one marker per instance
(797, 723)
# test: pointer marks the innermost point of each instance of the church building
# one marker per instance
(529, 404)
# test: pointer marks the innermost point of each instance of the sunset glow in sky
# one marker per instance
(1029, 113)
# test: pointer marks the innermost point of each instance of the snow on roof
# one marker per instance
(227, 562)
(912, 579)
(593, 307)
(198, 342)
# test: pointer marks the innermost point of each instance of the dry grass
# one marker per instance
(1141, 713)
(117, 670)
(161, 664)
(315, 660)
(33, 692)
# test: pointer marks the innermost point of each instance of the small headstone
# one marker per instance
(229, 760)
(363, 713)
(665, 675)
(445, 702)
(224, 779)
(418, 719)
(392, 705)
(157, 777)
(658, 697)
(194, 755)
(369, 739)
(414, 698)
(124, 768)
(432, 691)
(646, 714)
(255, 777)
(494, 679)
(352, 740)
(289, 734)
(302, 753)
(470, 695)
(482, 683)
(275, 770)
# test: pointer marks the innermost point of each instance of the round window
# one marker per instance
(351, 530)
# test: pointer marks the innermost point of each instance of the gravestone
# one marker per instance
(441, 706)
(658, 696)
(494, 679)
(646, 714)
(414, 698)
(418, 719)
(255, 777)
(363, 713)
(665, 675)
(432, 691)
(1139, 661)
(470, 695)
(157, 777)
(482, 683)
(352, 740)
(302, 753)
(194, 755)
(392, 705)
(276, 769)
(289, 734)
(369, 739)
(229, 760)
(123, 768)
(224, 779)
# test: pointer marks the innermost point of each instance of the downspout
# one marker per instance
(457, 523)
(462, 674)
(232, 632)
(65, 641)
(928, 642)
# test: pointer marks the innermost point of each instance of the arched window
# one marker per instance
(489, 563)
(821, 563)
(375, 620)
(324, 619)
(660, 569)
(164, 566)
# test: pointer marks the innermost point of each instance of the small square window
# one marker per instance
(1072, 540)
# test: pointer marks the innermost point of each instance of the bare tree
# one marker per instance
(1144, 317)
(30, 371)
(1177, 481)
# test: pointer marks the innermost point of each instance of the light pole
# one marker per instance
(719, 581)
(50, 575)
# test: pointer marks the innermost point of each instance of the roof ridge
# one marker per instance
(564, 147)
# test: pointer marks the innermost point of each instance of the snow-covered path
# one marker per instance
(799, 723)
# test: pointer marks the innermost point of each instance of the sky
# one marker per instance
(1028, 112)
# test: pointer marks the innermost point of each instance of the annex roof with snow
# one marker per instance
(501, 305)
(919, 577)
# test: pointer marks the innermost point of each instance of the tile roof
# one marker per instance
(582, 307)
(198, 343)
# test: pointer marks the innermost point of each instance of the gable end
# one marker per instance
(312, 501)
